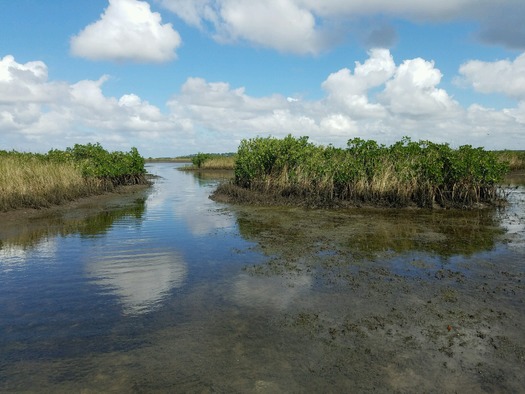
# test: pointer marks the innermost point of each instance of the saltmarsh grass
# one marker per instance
(514, 159)
(210, 161)
(406, 173)
(219, 163)
(33, 183)
(30, 180)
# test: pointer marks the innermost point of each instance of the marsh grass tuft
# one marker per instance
(209, 161)
(406, 173)
(29, 180)
(514, 159)
(219, 163)
(33, 183)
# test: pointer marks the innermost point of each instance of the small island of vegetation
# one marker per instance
(406, 173)
(33, 180)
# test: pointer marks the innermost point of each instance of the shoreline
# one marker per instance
(230, 193)
(16, 221)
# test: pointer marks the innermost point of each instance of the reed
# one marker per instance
(406, 173)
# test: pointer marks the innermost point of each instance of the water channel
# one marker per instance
(173, 292)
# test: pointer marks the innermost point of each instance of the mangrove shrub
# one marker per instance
(117, 168)
(407, 172)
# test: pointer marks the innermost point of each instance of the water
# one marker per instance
(177, 293)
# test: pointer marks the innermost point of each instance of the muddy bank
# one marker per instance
(229, 193)
(30, 221)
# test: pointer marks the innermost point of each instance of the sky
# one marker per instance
(176, 77)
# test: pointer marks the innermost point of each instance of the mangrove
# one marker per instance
(407, 173)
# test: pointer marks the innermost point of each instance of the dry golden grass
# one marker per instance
(215, 163)
(35, 183)
(515, 159)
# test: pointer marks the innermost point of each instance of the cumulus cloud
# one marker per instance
(34, 109)
(505, 76)
(413, 90)
(311, 26)
(234, 114)
(376, 99)
(23, 83)
(283, 25)
(127, 31)
(350, 91)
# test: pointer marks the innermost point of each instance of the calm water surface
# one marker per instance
(177, 293)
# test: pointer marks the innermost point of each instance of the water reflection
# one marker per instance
(140, 279)
(259, 292)
(188, 295)
(187, 199)
(14, 256)
(369, 233)
(85, 221)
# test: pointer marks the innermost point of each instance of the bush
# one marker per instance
(38, 180)
(424, 173)
(199, 159)
(118, 168)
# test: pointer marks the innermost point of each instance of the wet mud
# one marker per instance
(407, 301)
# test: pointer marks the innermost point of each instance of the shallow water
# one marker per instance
(177, 293)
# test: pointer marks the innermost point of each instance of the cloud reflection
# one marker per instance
(185, 197)
(273, 292)
(15, 256)
(141, 280)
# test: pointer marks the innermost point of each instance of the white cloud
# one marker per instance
(413, 90)
(311, 26)
(278, 24)
(377, 99)
(23, 83)
(234, 114)
(55, 114)
(284, 25)
(504, 76)
(127, 31)
(349, 92)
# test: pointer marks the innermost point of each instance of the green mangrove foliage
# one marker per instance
(38, 180)
(422, 173)
(116, 168)
(199, 159)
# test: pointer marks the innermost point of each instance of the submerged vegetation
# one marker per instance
(38, 180)
(406, 173)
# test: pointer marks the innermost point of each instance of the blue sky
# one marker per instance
(173, 77)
